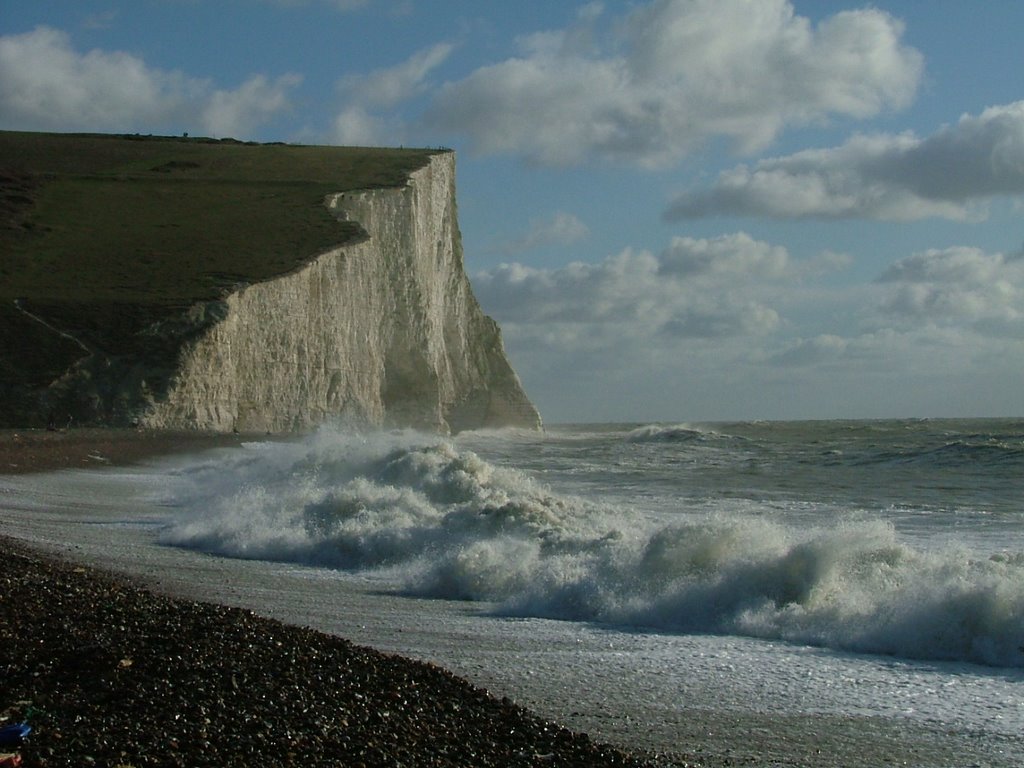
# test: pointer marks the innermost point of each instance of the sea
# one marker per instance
(771, 593)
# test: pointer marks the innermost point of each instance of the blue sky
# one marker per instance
(676, 209)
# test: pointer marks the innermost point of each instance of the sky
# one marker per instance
(677, 210)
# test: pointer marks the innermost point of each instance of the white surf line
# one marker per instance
(58, 331)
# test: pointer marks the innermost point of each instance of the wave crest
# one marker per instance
(662, 433)
(444, 522)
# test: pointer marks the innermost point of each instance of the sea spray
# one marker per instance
(441, 521)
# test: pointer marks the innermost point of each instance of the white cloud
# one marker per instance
(355, 126)
(949, 174)
(560, 229)
(705, 289)
(739, 321)
(881, 355)
(388, 86)
(957, 287)
(643, 333)
(737, 254)
(45, 84)
(936, 313)
(255, 102)
(364, 96)
(586, 337)
(676, 73)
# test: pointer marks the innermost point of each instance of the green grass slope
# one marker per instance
(104, 236)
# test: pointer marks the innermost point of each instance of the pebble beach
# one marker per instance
(111, 674)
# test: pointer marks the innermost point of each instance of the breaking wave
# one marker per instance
(660, 433)
(440, 521)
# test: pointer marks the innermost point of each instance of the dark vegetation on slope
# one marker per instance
(109, 243)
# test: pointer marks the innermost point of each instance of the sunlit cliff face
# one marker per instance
(386, 332)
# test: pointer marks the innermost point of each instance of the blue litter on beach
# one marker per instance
(12, 735)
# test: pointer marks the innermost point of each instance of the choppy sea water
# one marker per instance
(868, 575)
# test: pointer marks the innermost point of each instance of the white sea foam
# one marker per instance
(442, 522)
(720, 695)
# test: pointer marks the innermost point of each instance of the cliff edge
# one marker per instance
(380, 330)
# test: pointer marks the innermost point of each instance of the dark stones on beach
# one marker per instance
(108, 674)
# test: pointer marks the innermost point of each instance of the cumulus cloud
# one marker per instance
(694, 288)
(674, 73)
(252, 104)
(646, 332)
(45, 84)
(738, 320)
(958, 286)
(933, 311)
(949, 174)
(364, 96)
(737, 254)
(560, 229)
(873, 357)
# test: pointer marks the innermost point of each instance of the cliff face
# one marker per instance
(385, 332)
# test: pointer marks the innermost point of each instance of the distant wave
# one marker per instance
(661, 433)
(443, 522)
(989, 452)
(959, 451)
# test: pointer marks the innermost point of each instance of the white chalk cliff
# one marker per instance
(384, 332)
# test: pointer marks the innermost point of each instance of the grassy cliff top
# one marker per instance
(161, 221)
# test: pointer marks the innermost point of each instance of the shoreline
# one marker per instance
(24, 451)
(110, 672)
(568, 673)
